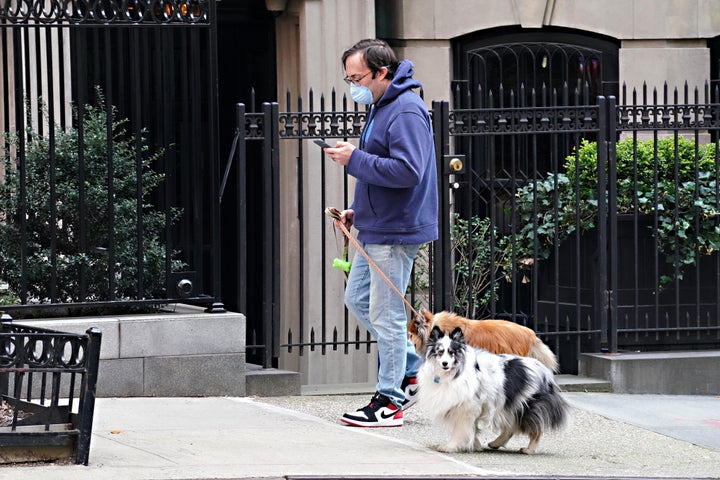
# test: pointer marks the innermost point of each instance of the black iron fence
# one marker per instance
(110, 162)
(47, 388)
(595, 224)
(601, 218)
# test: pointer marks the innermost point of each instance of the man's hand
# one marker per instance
(346, 218)
(340, 153)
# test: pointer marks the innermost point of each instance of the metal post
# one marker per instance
(87, 398)
(217, 306)
(275, 159)
(442, 285)
(601, 300)
(612, 214)
(271, 233)
(242, 206)
(5, 326)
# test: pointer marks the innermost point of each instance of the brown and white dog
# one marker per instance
(495, 336)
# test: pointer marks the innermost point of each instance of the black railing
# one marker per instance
(108, 12)
(47, 383)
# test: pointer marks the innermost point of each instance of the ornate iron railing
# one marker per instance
(577, 299)
(51, 377)
(103, 12)
(671, 112)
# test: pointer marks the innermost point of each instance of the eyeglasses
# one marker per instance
(355, 81)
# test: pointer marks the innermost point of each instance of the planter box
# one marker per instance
(679, 316)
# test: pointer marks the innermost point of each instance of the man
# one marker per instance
(394, 211)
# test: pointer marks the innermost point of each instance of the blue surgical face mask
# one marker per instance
(361, 94)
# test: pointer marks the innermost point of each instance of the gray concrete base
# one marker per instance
(177, 353)
(670, 373)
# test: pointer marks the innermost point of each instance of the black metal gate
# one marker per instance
(502, 148)
(617, 256)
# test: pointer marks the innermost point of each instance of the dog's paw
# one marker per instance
(452, 448)
(446, 448)
(527, 451)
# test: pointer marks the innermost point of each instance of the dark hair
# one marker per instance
(377, 54)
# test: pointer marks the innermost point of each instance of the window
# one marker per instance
(500, 68)
(535, 60)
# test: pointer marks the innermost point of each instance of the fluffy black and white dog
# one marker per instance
(470, 389)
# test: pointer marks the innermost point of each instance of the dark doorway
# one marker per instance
(246, 61)
(715, 76)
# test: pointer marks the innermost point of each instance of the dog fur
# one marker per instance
(469, 389)
(495, 336)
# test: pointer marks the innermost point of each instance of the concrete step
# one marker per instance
(668, 373)
(271, 382)
(577, 383)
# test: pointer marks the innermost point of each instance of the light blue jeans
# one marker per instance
(382, 312)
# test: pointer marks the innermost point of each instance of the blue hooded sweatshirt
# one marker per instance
(396, 200)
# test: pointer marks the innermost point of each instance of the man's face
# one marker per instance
(357, 72)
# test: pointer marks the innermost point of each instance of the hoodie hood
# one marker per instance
(402, 81)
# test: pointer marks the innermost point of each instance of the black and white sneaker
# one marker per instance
(381, 412)
(410, 388)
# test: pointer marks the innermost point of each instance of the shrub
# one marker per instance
(649, 179)
(51, 231)
(477, 264)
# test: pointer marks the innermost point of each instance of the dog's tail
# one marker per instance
(542, 353)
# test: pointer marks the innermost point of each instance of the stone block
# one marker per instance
(120, 377)
(271, 382)
(182, 335)
(195, 375)
(109, 326)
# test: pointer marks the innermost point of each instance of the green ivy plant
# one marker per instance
(477, 266)
(684, 194)
(51, 233)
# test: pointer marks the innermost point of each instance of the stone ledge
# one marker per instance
(183, 352)
(669, 373)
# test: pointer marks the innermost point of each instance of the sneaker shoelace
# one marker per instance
(375, 403)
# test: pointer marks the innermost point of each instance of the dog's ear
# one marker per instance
(413, 325)
(436, 334)
(420, 324)
(429, 316)
(457, 335)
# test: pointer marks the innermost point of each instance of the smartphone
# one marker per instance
(322, 143)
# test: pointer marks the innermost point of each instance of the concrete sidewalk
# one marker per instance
(231, 437)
